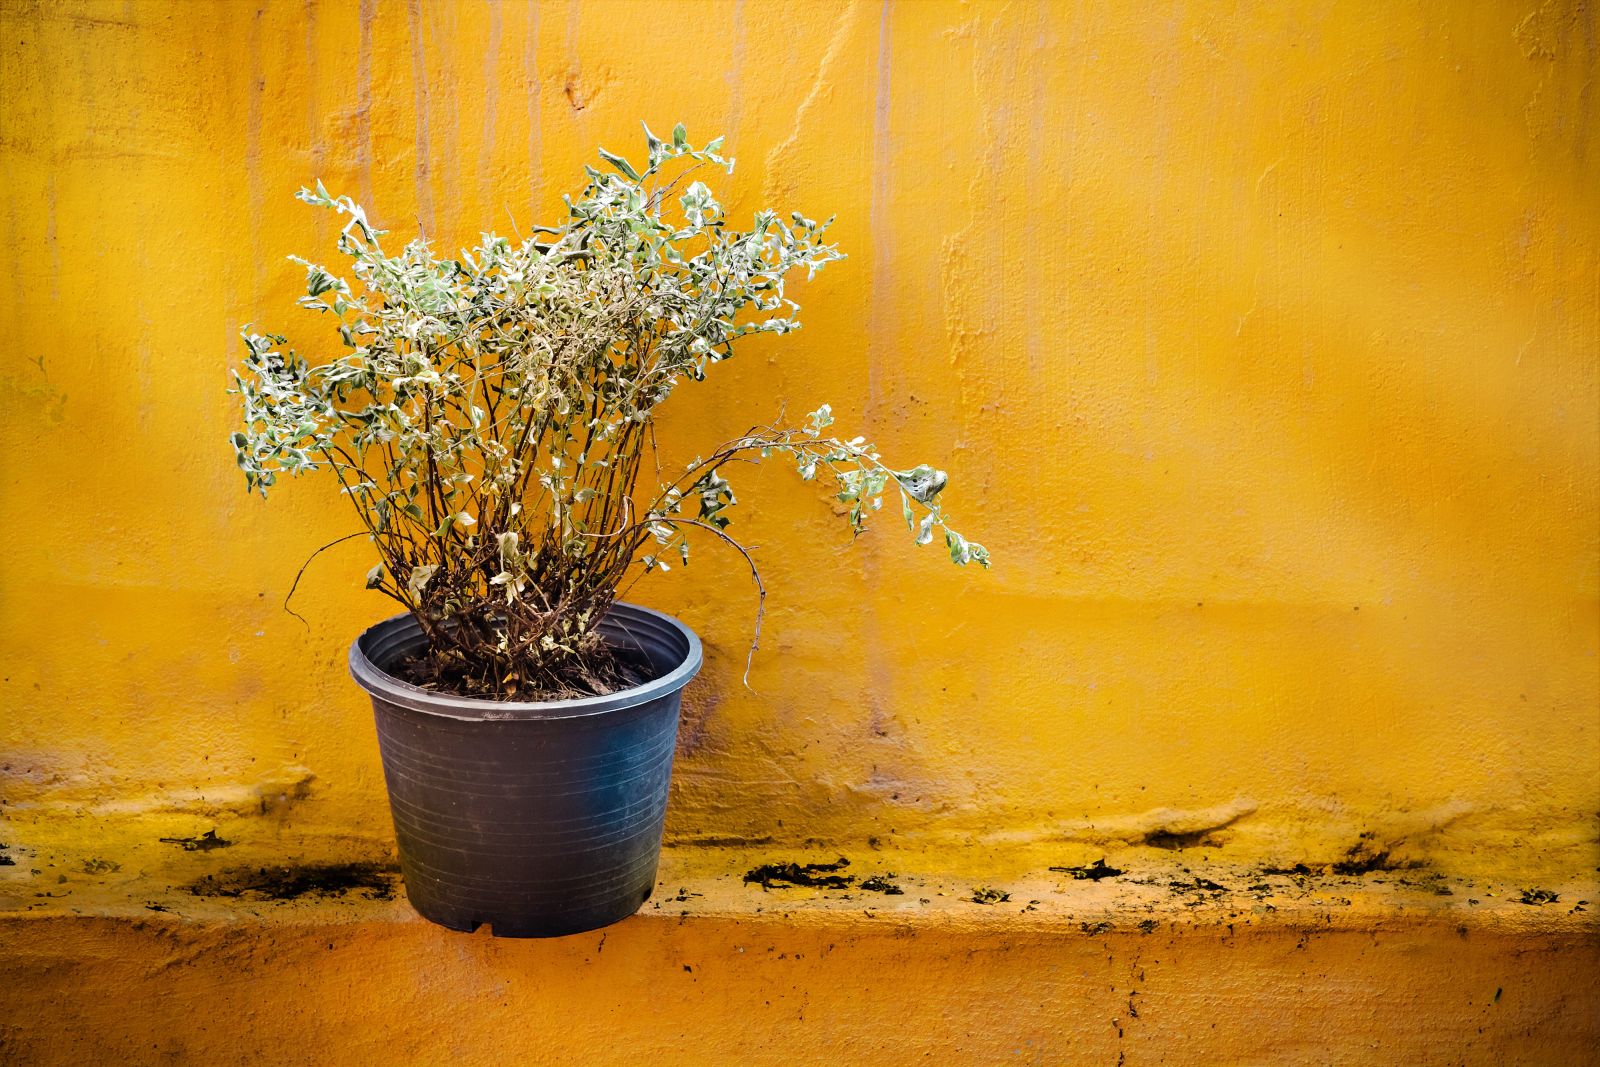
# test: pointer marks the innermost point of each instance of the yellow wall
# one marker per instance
(1261, 348)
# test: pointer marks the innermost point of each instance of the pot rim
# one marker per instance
(392, 690)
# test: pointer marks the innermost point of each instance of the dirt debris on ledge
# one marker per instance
(204, 843)
(374, 881)
(791, 875)
(1093, 872)
(810, 875)
(169, 872)
(882, 883)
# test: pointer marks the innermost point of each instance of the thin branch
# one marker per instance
(755, 573)
(307, 563)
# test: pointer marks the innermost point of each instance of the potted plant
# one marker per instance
(490, 418)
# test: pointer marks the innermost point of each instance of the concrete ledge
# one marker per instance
(805, 989)
(190, 952)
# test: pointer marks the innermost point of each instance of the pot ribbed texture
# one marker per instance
(539, 819)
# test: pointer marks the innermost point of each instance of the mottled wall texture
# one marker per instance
(1260, 343)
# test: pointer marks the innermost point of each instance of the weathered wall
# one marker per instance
(1261, 347)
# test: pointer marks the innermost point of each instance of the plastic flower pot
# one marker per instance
(537, 818)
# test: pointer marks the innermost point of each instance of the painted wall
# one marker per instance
(1261, 347)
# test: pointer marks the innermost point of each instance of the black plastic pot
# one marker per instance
(538, 818)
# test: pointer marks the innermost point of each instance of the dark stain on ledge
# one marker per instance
(1175, 842)
(1299, 869)
(882, 883)
(790, 875)
(1365, 857)
(1094, 872)
(1197, 885)
(374, 880)
(204, 843)
(1176, 839)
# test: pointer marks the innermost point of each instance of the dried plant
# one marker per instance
(490, 416)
